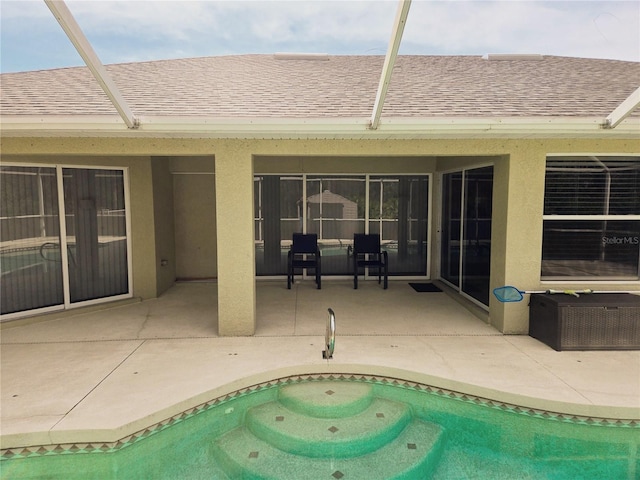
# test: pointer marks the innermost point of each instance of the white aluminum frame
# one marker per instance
(389, 61)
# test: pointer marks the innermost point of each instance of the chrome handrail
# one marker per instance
(330, 336)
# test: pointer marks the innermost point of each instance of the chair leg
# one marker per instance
(386, 274)
(355, 273)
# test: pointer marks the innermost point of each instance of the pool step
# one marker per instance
(327, 399)
(330, 430)
(362, 433)
(414, 453)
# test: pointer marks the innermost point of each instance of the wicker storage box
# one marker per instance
(599, 321)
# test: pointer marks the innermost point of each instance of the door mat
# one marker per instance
(425, 287)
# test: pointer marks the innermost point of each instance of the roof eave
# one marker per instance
(317, 128)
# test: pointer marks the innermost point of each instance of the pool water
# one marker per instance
(366, 429)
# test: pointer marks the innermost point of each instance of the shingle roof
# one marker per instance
(263, 86)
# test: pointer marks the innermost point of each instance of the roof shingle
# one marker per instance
(263, 86)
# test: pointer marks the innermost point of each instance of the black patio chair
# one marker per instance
(367, 253)
(304, 253)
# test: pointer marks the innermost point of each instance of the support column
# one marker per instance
(518, 204)
(235, 242)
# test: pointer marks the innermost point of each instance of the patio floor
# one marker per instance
(102, 375)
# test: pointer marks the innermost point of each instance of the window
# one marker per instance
(398, 210)
(591, 222)
(335, 207)
(278, 209)
(63, 236)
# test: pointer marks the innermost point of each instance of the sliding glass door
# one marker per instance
(465, 253)
(30, 263)
(335, 208)
(451, 229)
(64, 236)
(95, 223)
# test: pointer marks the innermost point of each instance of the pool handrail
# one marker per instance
(330, 336)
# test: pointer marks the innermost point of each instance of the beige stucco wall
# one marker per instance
(196, 256)
(516, 236)
(194, 217)
(145, 267)
(340, 164)
(235, 244)
(163, 219)
(518, 199)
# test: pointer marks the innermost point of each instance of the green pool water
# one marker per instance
(351, 429)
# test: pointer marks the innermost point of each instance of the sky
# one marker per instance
(140, 30)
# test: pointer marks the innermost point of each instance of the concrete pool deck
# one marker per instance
(98, 376)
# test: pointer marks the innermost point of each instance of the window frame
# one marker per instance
(551, 217)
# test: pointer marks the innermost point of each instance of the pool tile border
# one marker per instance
(108, 447)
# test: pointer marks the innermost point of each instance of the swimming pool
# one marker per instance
(349, 427)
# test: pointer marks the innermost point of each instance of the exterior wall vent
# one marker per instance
(513, 56)
(301, 56)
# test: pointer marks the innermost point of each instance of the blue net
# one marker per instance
(508, 294)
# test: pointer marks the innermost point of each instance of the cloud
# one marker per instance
(33, 9)
(208, 27)
(125, 30)
(609, 29)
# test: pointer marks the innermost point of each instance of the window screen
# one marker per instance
(30, 260)
(33, 249)
(591, 222)
(335, 208)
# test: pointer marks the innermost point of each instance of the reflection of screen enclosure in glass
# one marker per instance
(337, 207)
(30, 259)
(40, 266)
(591, 224)
(96, 230)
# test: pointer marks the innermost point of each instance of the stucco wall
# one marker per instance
(516, 236)
(341, 164)
(163, 219)
(518, 197)
(235, 242)
(195, 217)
